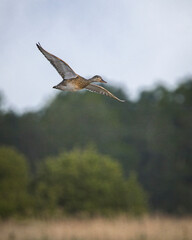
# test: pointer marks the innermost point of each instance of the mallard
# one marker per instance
(71, 80)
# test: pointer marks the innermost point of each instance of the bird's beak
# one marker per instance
(103, 81)
(54, 86)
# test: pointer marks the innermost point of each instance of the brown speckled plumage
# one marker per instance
(71, 80)
(79, 82)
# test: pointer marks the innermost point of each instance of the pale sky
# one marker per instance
(133, 44)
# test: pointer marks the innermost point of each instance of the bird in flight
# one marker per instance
(71, 80)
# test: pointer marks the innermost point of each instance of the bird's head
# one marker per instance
(97, 78)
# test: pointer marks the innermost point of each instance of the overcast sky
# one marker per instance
(132, 44)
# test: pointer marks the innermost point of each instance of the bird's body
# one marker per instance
(72, 81)
(73, 84)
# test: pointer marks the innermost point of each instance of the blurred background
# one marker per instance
(80, 153)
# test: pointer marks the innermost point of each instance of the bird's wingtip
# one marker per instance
(120, 100)
(38, 44)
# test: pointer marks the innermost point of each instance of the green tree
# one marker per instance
(151, 136)
(165, 163)
(13, 182)
(137, 202)
(83, 181)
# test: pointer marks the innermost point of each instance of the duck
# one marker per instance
(72, 81)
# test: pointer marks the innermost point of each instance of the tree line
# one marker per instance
(81, 182)
(150, 137)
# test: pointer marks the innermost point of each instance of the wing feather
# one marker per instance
(101, 90)
(62, 67)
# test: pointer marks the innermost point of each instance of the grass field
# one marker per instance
(148, 228)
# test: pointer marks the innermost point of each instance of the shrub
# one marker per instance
(13, 182)
(136, 196)
(85, 182)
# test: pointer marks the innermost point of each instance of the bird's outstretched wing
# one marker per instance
(62, 67)
(98, 89)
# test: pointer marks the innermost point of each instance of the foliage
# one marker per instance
(136, 197)
(83, 181)
(13, 182)
(151, 136)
